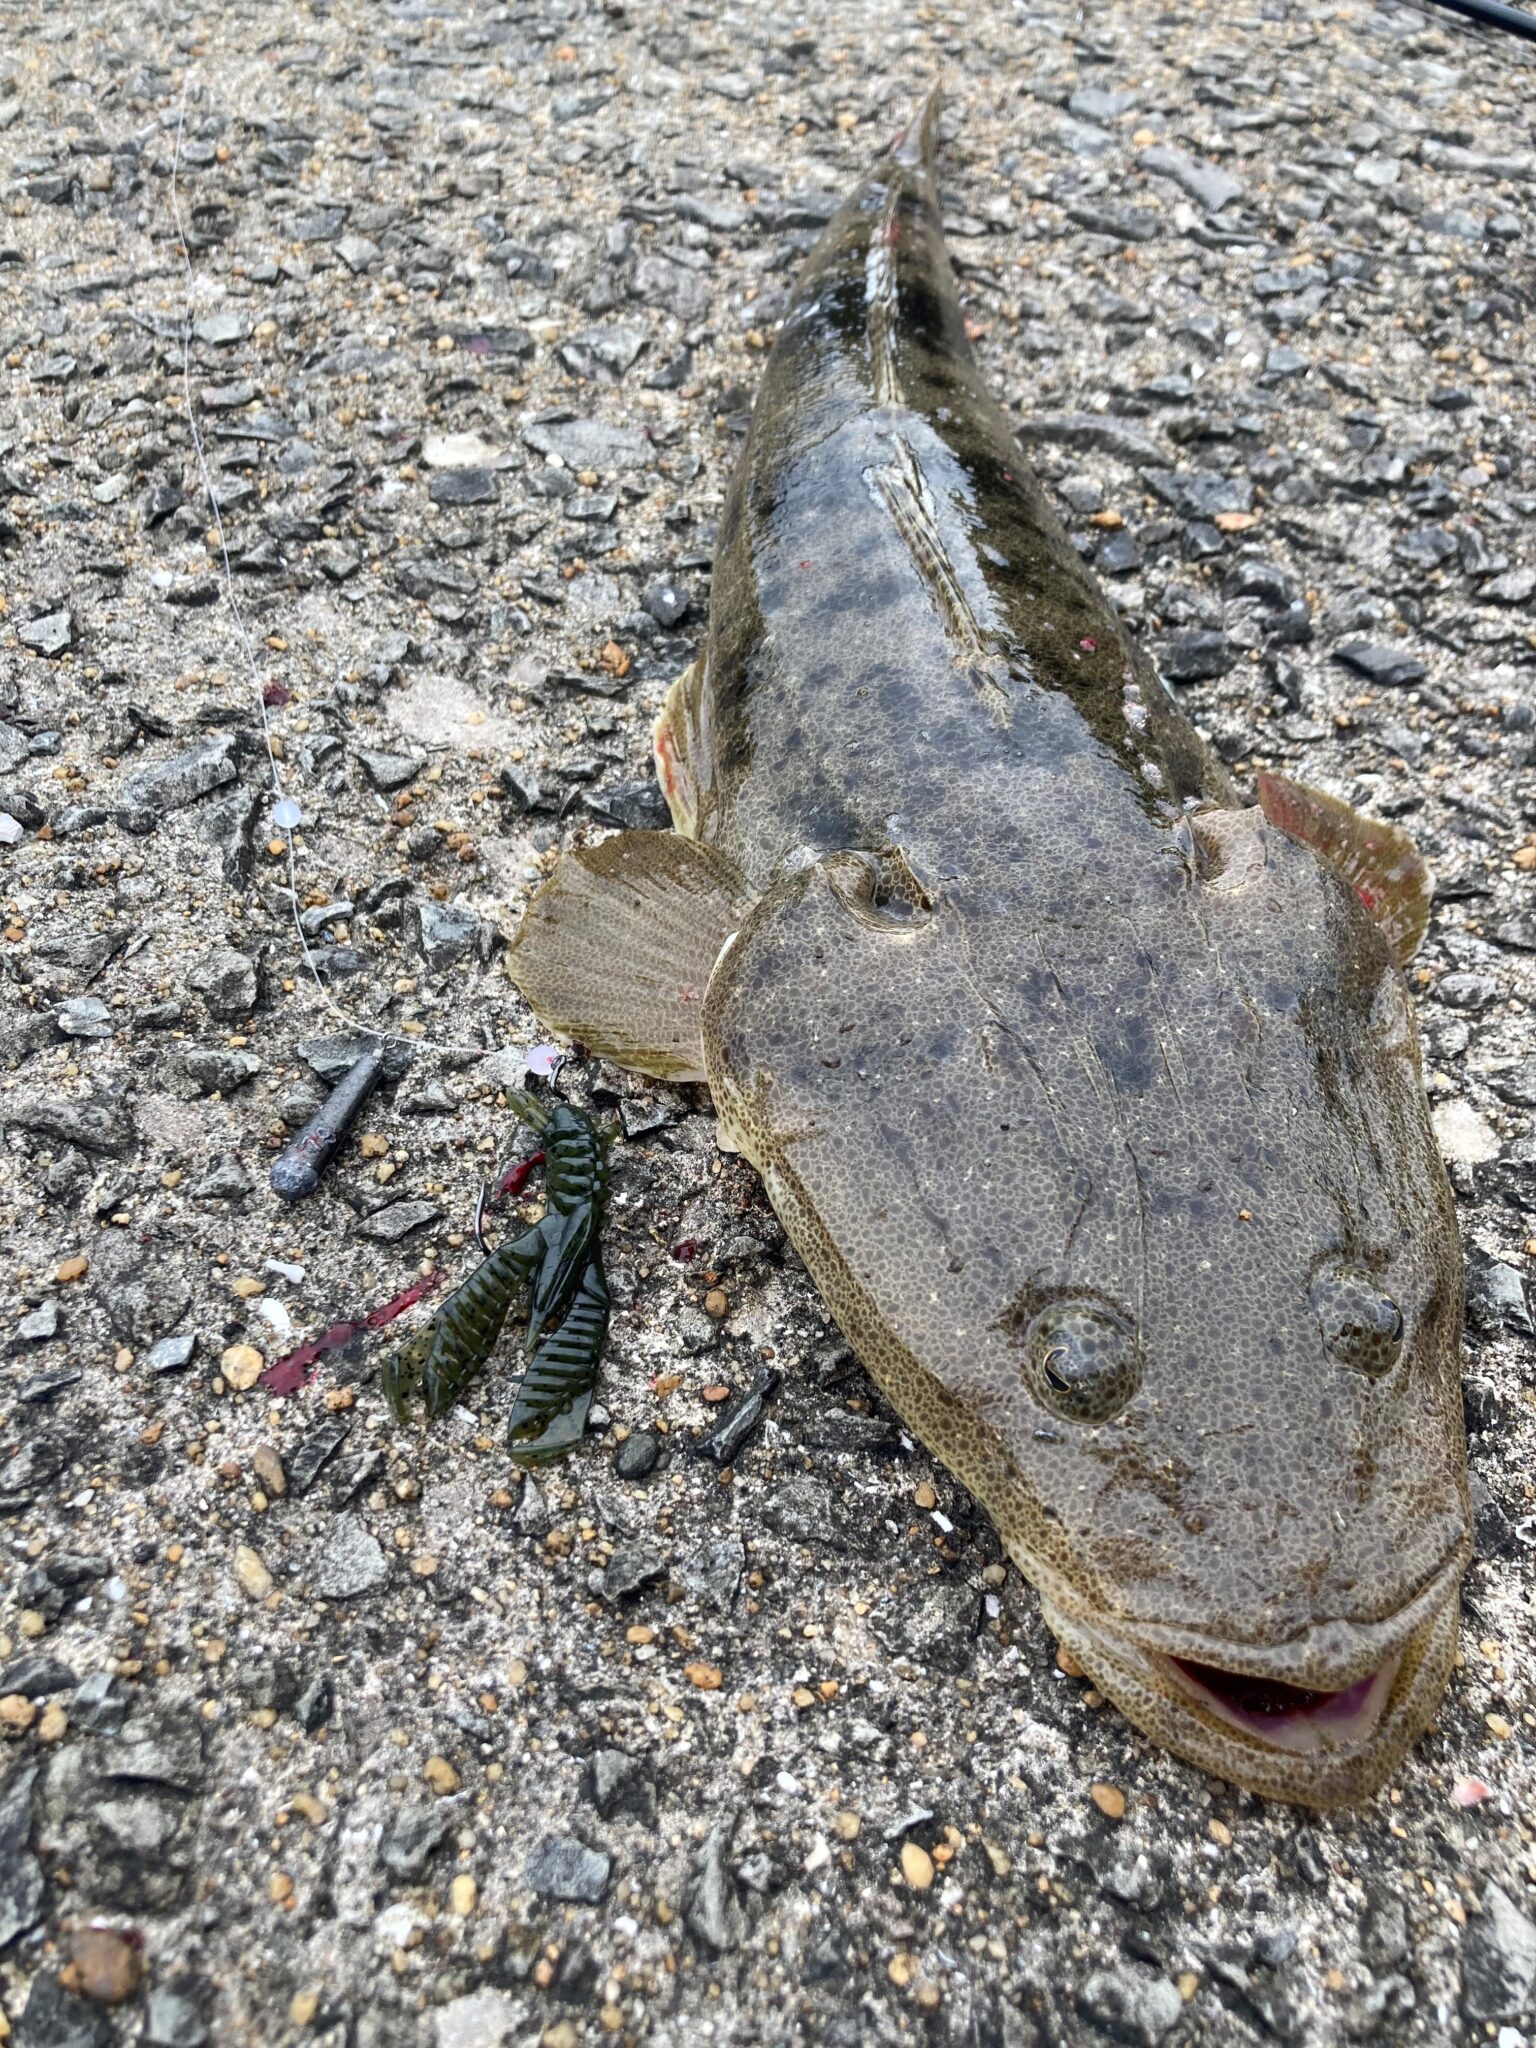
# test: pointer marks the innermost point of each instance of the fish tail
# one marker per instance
(916, 143)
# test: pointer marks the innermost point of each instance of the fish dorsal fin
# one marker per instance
(617, 948)
(1379, 861)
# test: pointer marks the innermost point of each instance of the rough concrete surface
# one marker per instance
(342, 1732)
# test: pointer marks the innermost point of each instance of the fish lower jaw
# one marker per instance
(1319, 1748)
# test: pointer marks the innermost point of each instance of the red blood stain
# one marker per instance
(408, 1297)
(515, 1179)
(287, 1374)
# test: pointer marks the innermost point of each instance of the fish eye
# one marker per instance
(1361, 1326)
(1083, 1361)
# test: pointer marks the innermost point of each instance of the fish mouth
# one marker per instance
(1305, 1721)
(1332, 1743)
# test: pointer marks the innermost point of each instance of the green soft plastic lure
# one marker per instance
(560, 1262)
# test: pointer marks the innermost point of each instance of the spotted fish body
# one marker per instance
(1091, 1100)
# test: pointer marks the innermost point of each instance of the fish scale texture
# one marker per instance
(364, 1739)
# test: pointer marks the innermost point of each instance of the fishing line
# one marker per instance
(287, 814)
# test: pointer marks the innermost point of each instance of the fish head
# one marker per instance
(1140, 1223)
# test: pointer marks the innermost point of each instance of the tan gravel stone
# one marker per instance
(441, 1776)
(254, 1579)
(241, 1366)
(104, 1965)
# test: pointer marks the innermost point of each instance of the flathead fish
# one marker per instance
(1090, 1096)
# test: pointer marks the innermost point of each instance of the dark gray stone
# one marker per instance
(358, 253)
(1091, 430)
(218, 1070)
(561, 1867)
(100, 1705)
(713, 1572)
(21, 1878)
(447, 932)
(1498, 1960)
(172, 1354)
(333, 1058)
(83, 1017)
(621, 1784)
(1496, 1297)
(173, 2018)
(636, 1456)
(1196, 657)
(1384, 1933)
(1388, 666)
(351, 1562)
(1119, 555)
(229, 826)
(1517, 1083)
(35, 1675)
(637, 806)
(1131, 1876)
(23, 1477)
(660, 282)
(602, 352)
(309, 1459)
(464, 487)
(714, 1910)
(168, 785)
(222, 330)
(1282, 362)
(53, 633)
(389, 771)
(1131, 2005)
(225, 1181)
(1426, 547)
(315, 1704)
(55, 2018)
(226, 981)
(411, 1838)
(1515, 586)
(397, 1220)
(592, 444)
(722, 1442)
(158, 1749)
(632, 1566)
(666, 600)
(92, 1125)
(1200, 494)
(1206, 183)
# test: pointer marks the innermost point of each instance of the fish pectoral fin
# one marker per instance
(672, 750)
(1379, 861)
(617, 948)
